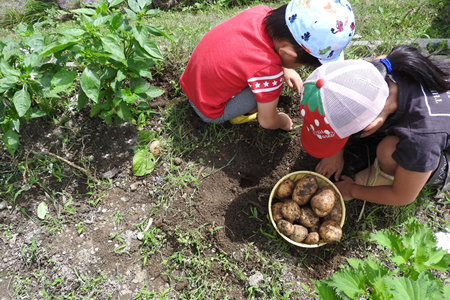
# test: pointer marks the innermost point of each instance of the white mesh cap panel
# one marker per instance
(354, 93)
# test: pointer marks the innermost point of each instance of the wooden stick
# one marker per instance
(88, 174)
(217, 295)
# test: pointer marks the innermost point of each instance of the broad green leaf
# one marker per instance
(42, 210)
(127, 95)
(11, 140)
(352, 283)
(154, 92)
(325, 291)
(7, 83)
(144, 3)
(131, 14)
(158, 32)
(116, 21)
(90, 83)
(146, 136)
(108, 73)
(11, 48)
(112, 46)
(70, 31)
(85, 11)
(406, 288)
(134, 6)
(115, 2)
(82, 100)
(140, 67)
(37, 113)
(120, 76)
(143, 163)
(56, 47)
(153, 12)
(7, 70)
(63, 80)
(139, 85)
(22, 101)
(141, 35)
(101, 20)
(36, 42)
(32, 60)
(388, 240)
(123, 111)
(15, 125)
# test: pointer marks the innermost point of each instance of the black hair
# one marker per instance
(277, 29)
(408, 62)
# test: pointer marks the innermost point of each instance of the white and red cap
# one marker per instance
(339, 99)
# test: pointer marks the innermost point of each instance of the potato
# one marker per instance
(155, 147)
(330, 231)
(314, 228)
(307, 217)
(335, 215)
(285, 188)
(299, 234)
(312, 238)
(276, 211)
(328, 187)
(290, 211)
(285, 227)
(305, 188)
(323, 202)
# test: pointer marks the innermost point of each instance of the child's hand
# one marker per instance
(332, 165)
(293, 80)
(344, 186)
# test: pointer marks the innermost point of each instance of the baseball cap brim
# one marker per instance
(320, 148)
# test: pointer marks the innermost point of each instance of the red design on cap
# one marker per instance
(320, 83)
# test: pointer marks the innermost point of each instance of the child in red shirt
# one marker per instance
(239, 66)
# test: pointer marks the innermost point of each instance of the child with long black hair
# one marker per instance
(406, 95)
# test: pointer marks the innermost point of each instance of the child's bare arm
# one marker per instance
(269, 118)
(406, 187)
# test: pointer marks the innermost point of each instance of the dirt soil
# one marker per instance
(231, 181)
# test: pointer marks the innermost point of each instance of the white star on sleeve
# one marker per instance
(266, 84)
(257, 85)
(274, 83)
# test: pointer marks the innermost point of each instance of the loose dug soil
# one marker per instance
(231, 181)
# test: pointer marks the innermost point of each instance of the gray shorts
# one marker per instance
(237, 106)
(441, 176)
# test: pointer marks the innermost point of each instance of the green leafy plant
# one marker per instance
(113, 53)
(403, 274)
(110, 55)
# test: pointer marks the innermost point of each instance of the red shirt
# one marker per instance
(231, 56)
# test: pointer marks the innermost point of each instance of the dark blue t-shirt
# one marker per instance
(422, 123)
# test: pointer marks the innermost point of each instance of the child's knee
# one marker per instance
(386, 147)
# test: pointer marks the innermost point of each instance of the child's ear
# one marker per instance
(287, 49)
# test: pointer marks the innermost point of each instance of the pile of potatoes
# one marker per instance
(306, 212)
